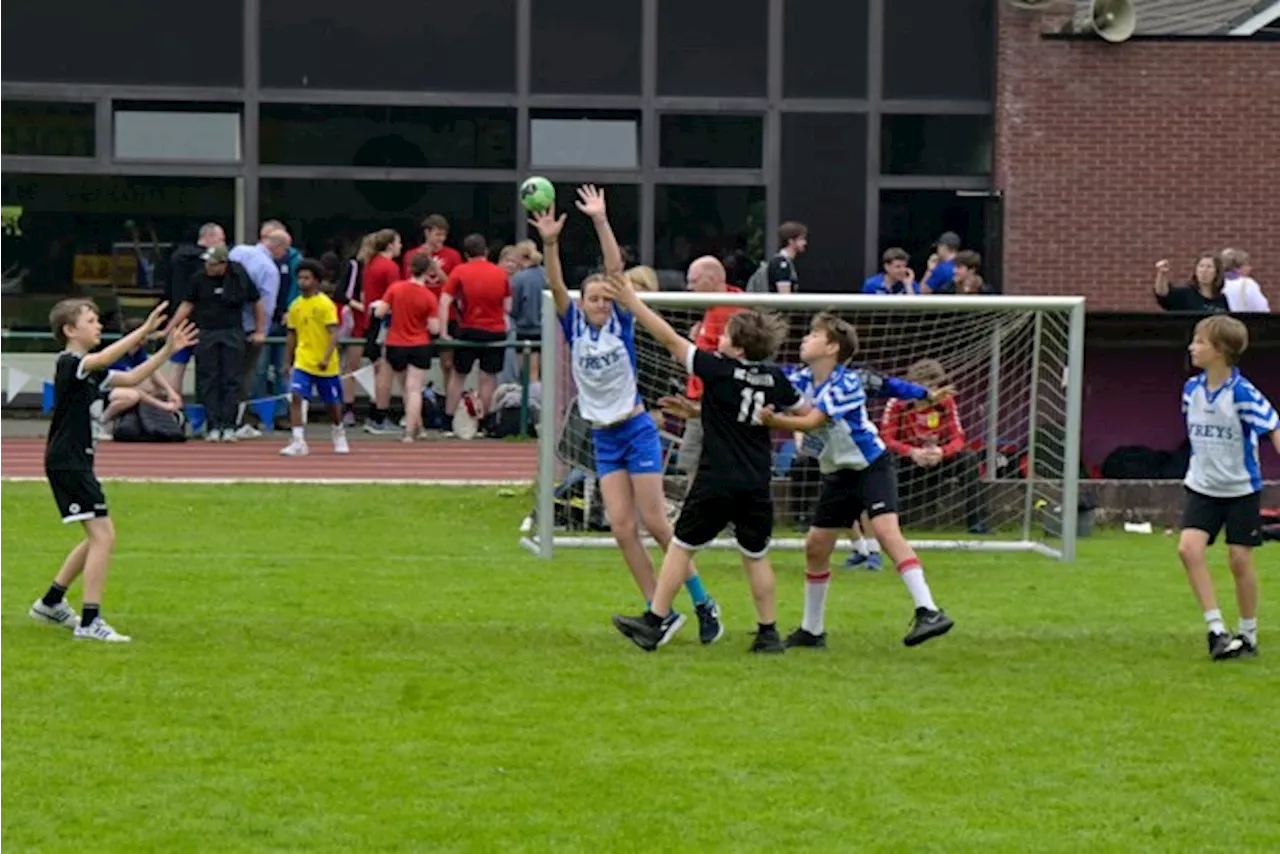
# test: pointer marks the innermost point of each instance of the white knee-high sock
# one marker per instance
(912, 574)
(815, 601)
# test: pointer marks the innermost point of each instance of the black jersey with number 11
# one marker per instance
(735, 450)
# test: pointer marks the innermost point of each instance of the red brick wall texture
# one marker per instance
(1111, 157)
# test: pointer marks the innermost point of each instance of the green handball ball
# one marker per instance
(537, 194)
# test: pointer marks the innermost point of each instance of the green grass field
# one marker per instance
(358, 668)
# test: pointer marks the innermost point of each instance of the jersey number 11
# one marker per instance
(752, 401)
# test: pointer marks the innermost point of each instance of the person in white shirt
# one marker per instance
(628, 450)
(1243, 293)
(1226, 415)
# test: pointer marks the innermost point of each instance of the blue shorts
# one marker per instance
(183, 356)
(632, 446)
(304, 384)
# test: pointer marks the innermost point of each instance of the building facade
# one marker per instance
(710, 121)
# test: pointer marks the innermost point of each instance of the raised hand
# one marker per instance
(591, 201)
(1162, 267)
(548, 225)
(156, 318)
(182, 336)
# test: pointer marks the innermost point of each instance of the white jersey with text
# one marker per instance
(1223, 425)
(604, 364)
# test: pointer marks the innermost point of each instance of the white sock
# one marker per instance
(1214, 619)
(913, 576)
(339, 430)
(861, 547)
(1249, 628)
(299, 434)
(815, 602)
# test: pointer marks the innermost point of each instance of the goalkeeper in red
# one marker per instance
(857, 476)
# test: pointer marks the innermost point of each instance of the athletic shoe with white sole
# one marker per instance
(340, 445)
(100, 630)
(295, 449)
(58, 615)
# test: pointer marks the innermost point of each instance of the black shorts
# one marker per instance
(400, 358)
(78, 495)
(710, 507)
(1242, 517)
(847, 493)
(491, 358)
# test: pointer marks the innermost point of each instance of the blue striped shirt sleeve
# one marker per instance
(1187, 389)
(841, 397)
(1255, 411)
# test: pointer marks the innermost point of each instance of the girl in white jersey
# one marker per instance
(628, 450)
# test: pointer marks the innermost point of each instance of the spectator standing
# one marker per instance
(184, 263)
(1203, 294)
(706, 276)
(1243, 293)
(794, 240)
(379, 275)
(261, 262)
(435, 230)
(527, 286)
(896, 278)
(941, 266)
(414, 311)
(216, 301)
(269, 376)
(483, 294)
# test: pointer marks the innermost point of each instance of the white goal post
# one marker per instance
(1011, 479)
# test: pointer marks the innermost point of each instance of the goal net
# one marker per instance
(992, 470)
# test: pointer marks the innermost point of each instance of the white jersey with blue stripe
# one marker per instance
(1223, 425)
(849, 438)
(604, 364)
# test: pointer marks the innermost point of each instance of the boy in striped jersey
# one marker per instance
(1226, 415)
(857, 475)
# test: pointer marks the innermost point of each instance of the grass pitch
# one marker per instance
(363, 668)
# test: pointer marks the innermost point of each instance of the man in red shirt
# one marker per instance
(482, 292)
(930, 444)
(414, 317)
(435, 229)
(706, 276)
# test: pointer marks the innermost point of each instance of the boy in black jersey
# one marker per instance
(732, 482)
(79, 378)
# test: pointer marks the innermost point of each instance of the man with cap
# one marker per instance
(941, 268)
(216, 300)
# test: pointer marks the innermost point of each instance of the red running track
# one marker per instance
(259, 459)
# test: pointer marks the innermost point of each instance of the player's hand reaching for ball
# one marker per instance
(548, 225)
(591, 201)
(182, 335)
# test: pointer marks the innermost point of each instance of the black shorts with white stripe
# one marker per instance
(78, 495)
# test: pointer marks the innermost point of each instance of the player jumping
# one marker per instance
(857, 475)
(628, 450)
(1226, 414)
(732, 484)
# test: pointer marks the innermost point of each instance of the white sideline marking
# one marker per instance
(303, 481)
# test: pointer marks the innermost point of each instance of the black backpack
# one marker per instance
(147, 423)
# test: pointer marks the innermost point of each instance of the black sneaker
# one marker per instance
(927, 624)
(647, 631)
(709, 626)
(1224, 646)
(802, 638)
(1248, 648)
(768, 641)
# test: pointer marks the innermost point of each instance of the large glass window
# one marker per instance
(138, 42)
(326, 215)
(726, 222)
(723, 142)
(390, 137)
(712, 47)
(47, 129)
(936, 145)
(939, 49)
(398, 44)
(96, 231)
(585, 140)
(177, 131)
(824, 166)
(824, 49)
(586, 46)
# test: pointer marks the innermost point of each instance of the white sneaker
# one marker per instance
(248, 431)
(59, 615)
(213, 436)
(340, 445)
(295, 448)
(100, 630)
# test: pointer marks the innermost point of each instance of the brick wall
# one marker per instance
(1114, 156)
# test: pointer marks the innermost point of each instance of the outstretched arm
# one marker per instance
(621, 292)
(549, 227)
(117, 350)
(591, 202)
(809, 418)
(179, 337)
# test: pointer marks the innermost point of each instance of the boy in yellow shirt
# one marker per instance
(311, 360)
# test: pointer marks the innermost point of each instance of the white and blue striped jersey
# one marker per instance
(1224, 425)
(849, 438)
(604, 364)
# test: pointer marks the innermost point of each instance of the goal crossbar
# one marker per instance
(542, 538)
